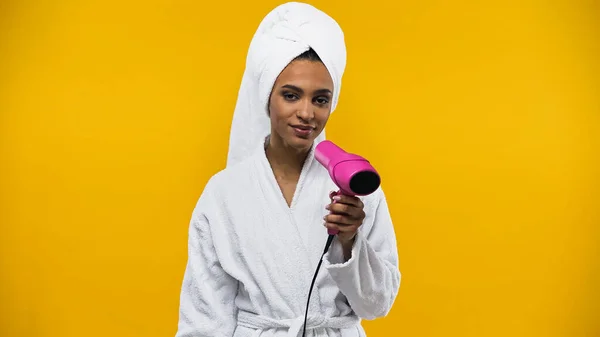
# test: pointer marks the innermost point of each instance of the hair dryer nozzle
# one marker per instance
(365, 182)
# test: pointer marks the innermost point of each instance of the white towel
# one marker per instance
(286, 32)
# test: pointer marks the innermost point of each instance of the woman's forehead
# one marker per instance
(306, 75)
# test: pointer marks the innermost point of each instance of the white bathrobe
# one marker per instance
(252, 259)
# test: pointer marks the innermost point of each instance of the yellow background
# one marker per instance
(483, 118)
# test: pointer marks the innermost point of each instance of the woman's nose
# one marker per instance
(305, 112)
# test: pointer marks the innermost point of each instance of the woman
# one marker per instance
(257, 232)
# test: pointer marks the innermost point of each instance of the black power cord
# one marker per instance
(329, 241)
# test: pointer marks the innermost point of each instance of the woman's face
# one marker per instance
(300, 104)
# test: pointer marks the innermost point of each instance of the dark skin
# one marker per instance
(299, 109)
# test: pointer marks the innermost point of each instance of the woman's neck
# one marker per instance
(284, 159)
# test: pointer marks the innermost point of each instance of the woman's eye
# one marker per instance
(289, 97)
(322, 100)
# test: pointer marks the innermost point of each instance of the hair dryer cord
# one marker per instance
(329, 241)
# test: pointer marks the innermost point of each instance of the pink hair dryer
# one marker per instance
(353, 174)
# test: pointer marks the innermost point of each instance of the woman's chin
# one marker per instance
(300, 144)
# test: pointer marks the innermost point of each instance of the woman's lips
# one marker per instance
(302, 130)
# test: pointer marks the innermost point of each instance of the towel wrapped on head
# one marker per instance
(285, 33)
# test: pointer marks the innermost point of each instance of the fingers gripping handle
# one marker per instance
(331, 195)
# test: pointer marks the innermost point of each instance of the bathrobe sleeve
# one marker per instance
(370, 279)
(207, 295)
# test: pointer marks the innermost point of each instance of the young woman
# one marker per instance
(259, 228)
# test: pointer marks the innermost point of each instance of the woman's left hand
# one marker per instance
(346, 215)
